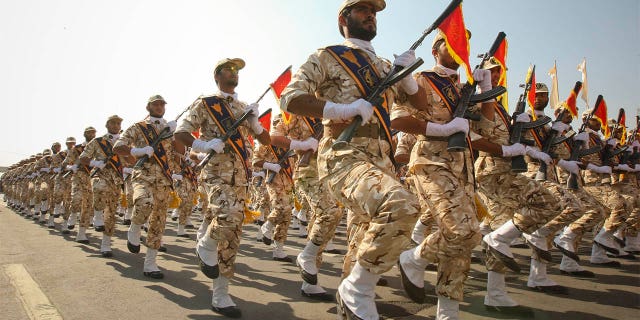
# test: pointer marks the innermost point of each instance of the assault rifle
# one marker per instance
(318, 130)
(578, 151)
(516, 134)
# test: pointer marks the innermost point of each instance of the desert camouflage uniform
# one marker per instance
(443, 181)
(362, 176)
(225, 182)
(325, 215)
(280, 192)
(525, 200)
(81, 193)
(106, 184)
(61, 186)
(186, 189)
(150, 186)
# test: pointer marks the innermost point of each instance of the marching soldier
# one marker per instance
(151, 181)
(81, 193)
(331, 85)
(186, 183)
(225, 176)
(106, 181)
(62, 186)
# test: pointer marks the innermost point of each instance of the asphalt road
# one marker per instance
(75, 282)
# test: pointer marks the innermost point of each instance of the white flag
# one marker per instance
(582, 67)
(554, 98)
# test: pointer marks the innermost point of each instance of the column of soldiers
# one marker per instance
(410, 202)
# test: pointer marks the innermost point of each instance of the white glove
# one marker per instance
(599, 169)
(254, 108)
(214, 144)
(258, 174)
(73, 168)
(201, 156)
(570, 166)
(559, 126)
(523, 117)
(176, 177)
(139, 152)
(346, 111)
(612, 142)
(483, 77)
(57, 170)
(272, 167)
(623, 167)
(173, 124)
(513, 150)
(582, 136)
(537, 154)
(97, 164)
(47, 170)
(127, 170)
(189, 162)
(408, 83)
(444, 130)
(308, 144)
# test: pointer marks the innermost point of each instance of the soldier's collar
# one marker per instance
(360, 44)
(440, 69)
(226, 95)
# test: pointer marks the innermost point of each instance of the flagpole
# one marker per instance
(265, 92)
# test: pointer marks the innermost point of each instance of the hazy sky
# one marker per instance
(69, 64)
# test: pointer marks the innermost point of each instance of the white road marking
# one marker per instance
(34, 301)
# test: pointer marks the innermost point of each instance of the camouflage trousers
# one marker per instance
(226, 204)
(186, 191)
(45, 193)
(325, 214)
(105, 198)
(82, 197)
(280, 192)
(611, 198)
(150, 203)
(128, 190)
(204, 201)
(449, 197)
(591, 207)
(630, 194)
(529, 203)
(362, 179)
(62, 194)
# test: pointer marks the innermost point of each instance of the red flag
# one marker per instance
(531, 96)
(622, 126)
(196, 134)
(501, 57)
(570, 103)
(457, 40)
(600, 113)
(265, 121)
(278, 86)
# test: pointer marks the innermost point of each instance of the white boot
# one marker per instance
(174, 214)
(267, 230)
(537, 240)
(306, 260)
(302, 232)
(64, 226)
(221, 297)
(566, 240)
(133, 235)
(150, 261)
(98, 219)
(51, 223)
(605, 238)
(207, 249)
(105, 246)
(632, 243)
(72, 219)
(312, 288)
(302, 216)
(418, 233)
(485, 229)
(181, 231)
(598, 255)
(188, 222)
(278, 250)
(357, 292)
(413, 266)
(569, 265)
(497, 295)
(81, 236)
(538, 275)
(501, 238)
(127, 214)
(202, 231)
(295, 224)
(330, 246)
(56, 210)
(447, 309)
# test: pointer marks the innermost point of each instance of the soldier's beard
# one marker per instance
(356, 30)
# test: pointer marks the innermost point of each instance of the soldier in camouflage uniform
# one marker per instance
(443, 181)
(151, 182)
(297, 134)
(44, 186)
(106, 181)
(361, 176)
(81, 193)
(528, 203)
(280, 192)
(62, 186)
(225, 176)
(185, 182)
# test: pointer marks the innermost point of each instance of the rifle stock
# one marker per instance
(231, 130)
